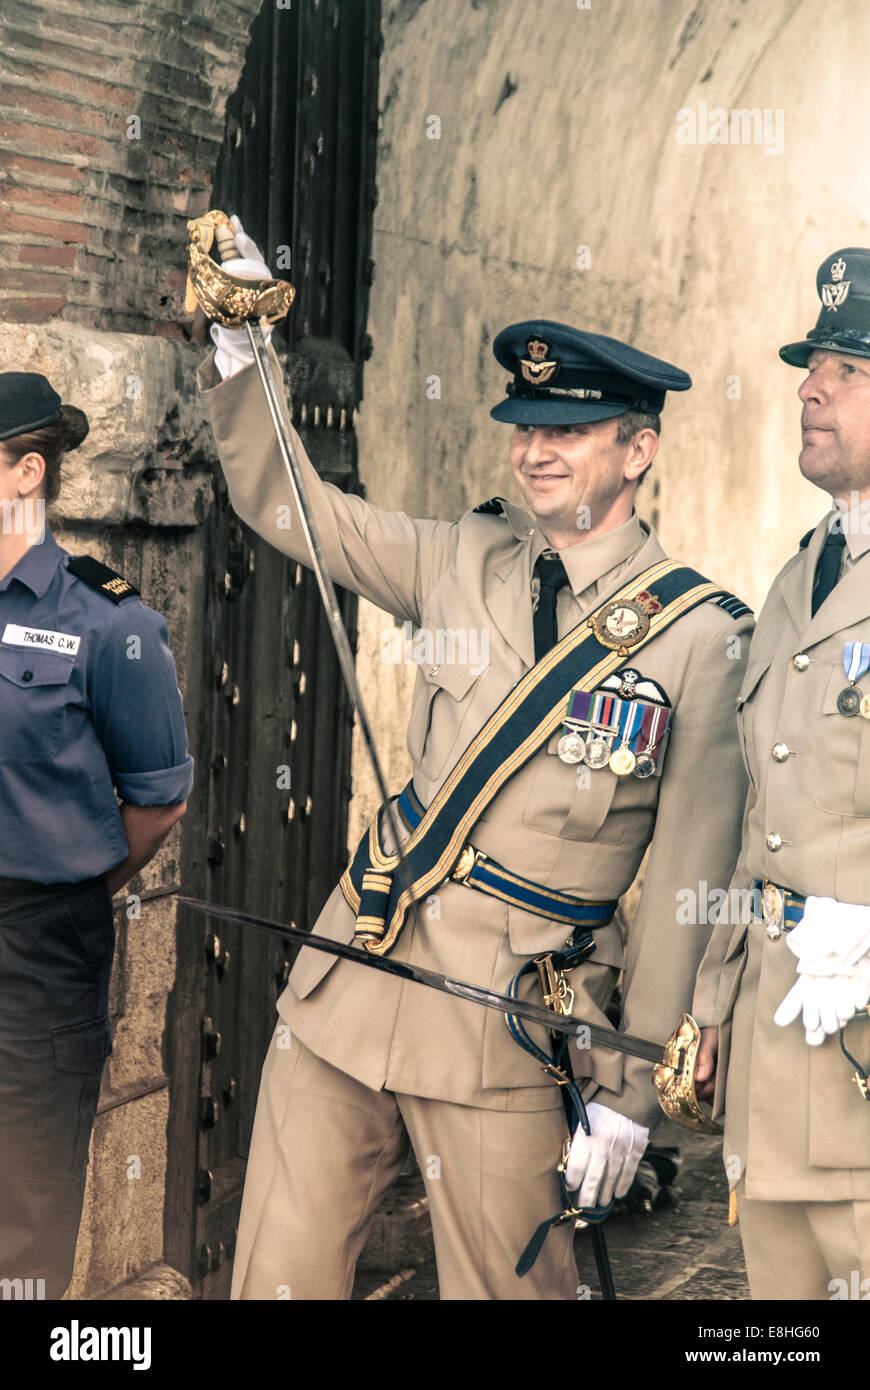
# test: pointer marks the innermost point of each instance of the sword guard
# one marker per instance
(674, 1079)
(228, 299)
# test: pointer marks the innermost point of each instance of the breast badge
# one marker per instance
(625, 622)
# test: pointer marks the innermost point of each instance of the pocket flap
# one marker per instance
(457, 679)
(28, 668)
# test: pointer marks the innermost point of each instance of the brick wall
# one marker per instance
(92, 206)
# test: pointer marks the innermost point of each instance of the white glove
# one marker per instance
(832, 944)
(603, 1163)
(234, 351)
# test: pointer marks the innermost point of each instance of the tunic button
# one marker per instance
(434, 671)
(773, 841)
(801, 661)
(781, 752)
(27, 675)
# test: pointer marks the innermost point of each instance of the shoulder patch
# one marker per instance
(494, 506)
(98, 576)
(733, 605)
(805, 540)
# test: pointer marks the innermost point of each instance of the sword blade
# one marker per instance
(433, 979)
(274, 394)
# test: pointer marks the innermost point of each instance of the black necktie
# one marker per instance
(828, 567)
(551, 572)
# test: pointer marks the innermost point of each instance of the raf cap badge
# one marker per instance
(624, 623)
(536, 368)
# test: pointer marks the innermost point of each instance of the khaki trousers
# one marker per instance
(806, 1250)
(325, 1150)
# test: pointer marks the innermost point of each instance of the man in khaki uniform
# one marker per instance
(376, 1064)
(773, 993)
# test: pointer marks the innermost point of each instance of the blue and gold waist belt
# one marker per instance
(524, 720)
(476, 870)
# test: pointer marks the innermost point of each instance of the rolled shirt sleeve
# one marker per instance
(137, 710)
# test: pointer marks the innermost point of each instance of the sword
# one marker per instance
(673, 1074)
(591, 1033)
(233, 302)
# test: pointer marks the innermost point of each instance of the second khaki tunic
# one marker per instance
(796, 1127)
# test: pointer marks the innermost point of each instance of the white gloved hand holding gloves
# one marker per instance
(602, 1164)
(832, 944)
(233, 350)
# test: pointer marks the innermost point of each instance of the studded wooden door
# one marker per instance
(266, 828)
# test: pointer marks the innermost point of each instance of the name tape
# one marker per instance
(41, 639)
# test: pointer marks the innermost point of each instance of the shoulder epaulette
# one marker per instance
(733, 605)
(805, 540)
(495, 506)
(96, 575)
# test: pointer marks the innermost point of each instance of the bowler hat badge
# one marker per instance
(625, 622)
(536, 368)
(835, 293)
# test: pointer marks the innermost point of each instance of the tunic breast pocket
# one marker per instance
(574, 801)
(841, 769)
(439, 727)
(34, 692)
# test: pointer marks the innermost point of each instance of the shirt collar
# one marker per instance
(857, 543)
(37, 566)
(588, 560)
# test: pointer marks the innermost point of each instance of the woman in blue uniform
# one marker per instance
(94, 771)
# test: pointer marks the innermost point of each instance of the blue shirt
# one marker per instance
(89, 706)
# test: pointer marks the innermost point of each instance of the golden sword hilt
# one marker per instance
(674, 1079)
(227, 298)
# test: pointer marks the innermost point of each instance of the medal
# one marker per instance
(655, 720)
(603, 726)
(571, 747)
(623, 760)
(597, 751)
(856, 662)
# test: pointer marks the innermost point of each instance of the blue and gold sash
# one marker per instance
(524, 720)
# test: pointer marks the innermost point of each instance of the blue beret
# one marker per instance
(564, 376)
(27, 402)
(843, 325)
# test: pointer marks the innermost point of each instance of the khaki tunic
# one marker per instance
(586, 838)
(796, 1128)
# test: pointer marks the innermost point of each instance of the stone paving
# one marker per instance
(683, 1251)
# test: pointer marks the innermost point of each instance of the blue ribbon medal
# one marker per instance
(856, 663)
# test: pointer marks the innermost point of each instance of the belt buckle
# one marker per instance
(772, 909)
